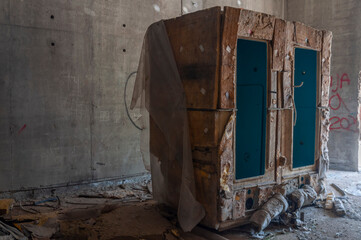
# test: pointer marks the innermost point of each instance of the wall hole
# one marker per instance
(124, 25)
(249, 203)
(53, 44)
(52, 16)
(124, 50)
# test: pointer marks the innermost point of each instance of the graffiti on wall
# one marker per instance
(340, 120)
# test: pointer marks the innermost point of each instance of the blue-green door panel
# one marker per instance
(252, 108)
(305, 74)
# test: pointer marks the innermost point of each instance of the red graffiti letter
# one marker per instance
(344, 78)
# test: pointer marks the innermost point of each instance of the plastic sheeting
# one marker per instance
(159, 90)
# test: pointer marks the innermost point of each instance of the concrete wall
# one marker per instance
(63, 66)
(342, 17)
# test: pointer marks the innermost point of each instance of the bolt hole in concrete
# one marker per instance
(53, 44)
(124, 50)
(52, 16)
(124, 25)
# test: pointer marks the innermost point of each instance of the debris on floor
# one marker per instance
(6, 205)
(99, 213)
(354, 189)
(9, 232)
(271, 209)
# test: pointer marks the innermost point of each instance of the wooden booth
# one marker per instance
(257, 89)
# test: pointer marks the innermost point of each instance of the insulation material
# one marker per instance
(289, 54)
(324, 159)
(279, 45)
(303, 197)
(239, 206)
(325, 94)
(158, 89)
(271, 209)
(227, 170)
(324, 110)
(287, 90)
(326, 53)
(256, 25)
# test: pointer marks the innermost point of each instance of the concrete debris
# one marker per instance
(291, 219)
(302, 197)
(339, 208)
(125, 192)
(338, 189)
(39, 232)
(354, 189)
(329, 200)
(11, 231)
(271, 209)
(350, 210)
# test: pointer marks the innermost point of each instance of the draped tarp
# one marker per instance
(159, 90)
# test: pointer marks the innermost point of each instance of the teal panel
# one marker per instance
(305, 73)
(252, 108)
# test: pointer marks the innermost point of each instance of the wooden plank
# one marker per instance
(307, 36)
(195, 40)
(206, 180)
(279, 45)
(206, 127)
(205, 155)
(271, 121)
(256, 25)
(287, 137)
(289, 54)
(228, 58)
(287, 90)
(279, 156)
(326, 53)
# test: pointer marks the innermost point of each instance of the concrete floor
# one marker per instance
(125, 213)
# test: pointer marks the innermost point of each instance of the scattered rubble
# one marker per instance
(339, 208)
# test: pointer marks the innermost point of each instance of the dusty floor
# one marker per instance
(128, 213)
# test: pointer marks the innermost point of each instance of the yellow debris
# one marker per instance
(6, 205)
